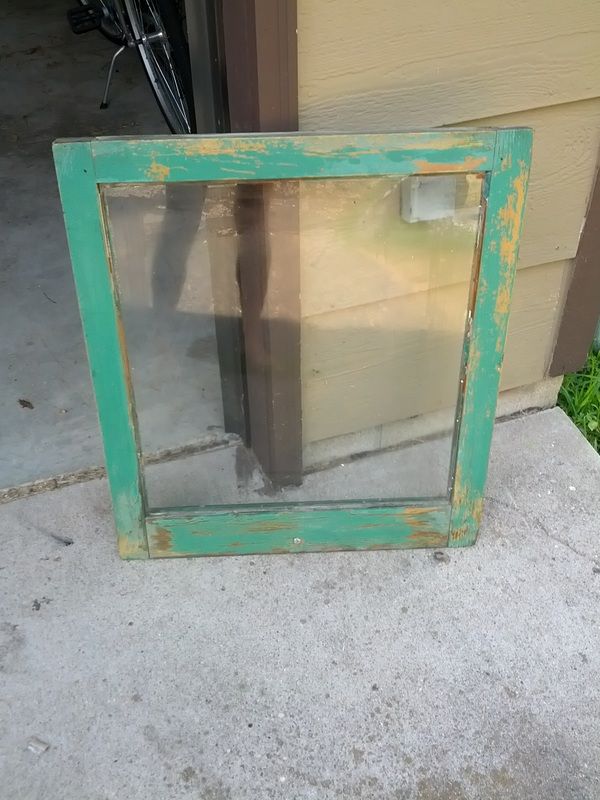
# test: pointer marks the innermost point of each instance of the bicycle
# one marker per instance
(157, 29)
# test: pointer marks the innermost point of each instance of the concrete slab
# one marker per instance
(354, 675)
(232, 474)
(52, 85)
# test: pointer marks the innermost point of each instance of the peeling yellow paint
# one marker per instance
(459, 533)
(447, 143)
(320, 146)
(469, 510)
(502, 301)
(269, 525)
(222, 147)
(427, 538)
(477, 511)
(379, 143)
(161, 540)
(415, 511)
(158, 172)
(129, 548)
(510, 218)
(458, 493)
(470, 164)
(474, 359)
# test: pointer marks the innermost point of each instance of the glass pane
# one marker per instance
(295, 340)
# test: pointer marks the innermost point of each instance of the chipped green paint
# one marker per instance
(503, 156)
(215, 158)
(507, 191)
(298, 530)
(104, 341)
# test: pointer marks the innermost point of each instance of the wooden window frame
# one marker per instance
(503, 156)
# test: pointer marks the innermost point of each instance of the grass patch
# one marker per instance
(579, 397)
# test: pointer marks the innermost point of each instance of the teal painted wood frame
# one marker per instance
(83, 166)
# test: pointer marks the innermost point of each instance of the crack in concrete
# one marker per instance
(542, 527)
(92, 473)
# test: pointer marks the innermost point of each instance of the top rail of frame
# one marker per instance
(287, 156)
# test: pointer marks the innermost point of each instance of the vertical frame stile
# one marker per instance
(467, 331)
(105, 342)
(507, 191)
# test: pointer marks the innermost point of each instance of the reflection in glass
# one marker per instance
(295, 340)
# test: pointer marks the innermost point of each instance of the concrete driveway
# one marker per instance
(351, 675)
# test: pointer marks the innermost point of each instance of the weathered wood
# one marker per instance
(105, 342)
(262, 158)
(303, 526)
(486, 330)
(299, 531)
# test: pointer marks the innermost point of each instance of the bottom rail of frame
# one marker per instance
(203, 533)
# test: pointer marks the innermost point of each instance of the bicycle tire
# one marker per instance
(172, 25)
(109, 27)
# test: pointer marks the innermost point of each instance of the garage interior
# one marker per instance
(51, 87)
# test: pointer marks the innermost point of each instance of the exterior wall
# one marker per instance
(367, 66)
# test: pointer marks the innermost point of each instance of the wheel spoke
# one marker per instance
(166, 85)
(172, 70)
(161, 69)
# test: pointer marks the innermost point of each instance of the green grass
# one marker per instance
(579, 397)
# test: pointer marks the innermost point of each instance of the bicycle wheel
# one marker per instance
(158, 29)
(110, 27)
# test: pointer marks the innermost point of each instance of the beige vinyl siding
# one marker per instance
(537, 306)
(372, 64)
(352, 381)
(382, 65)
